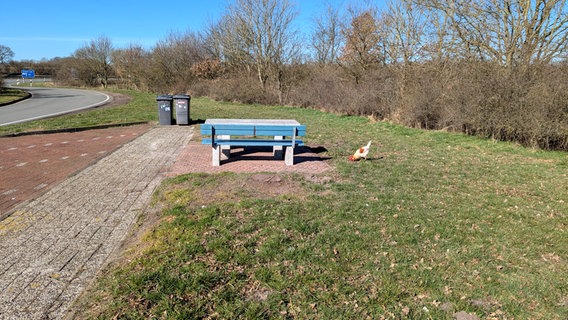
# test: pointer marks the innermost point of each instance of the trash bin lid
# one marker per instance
(182, 96)
(164, 97)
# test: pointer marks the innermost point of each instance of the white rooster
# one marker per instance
(361, 153)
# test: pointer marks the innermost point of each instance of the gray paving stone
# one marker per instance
(53, 246)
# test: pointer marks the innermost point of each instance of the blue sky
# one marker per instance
(37, 29)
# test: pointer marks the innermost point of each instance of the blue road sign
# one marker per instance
(28, 74)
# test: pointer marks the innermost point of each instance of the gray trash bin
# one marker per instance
(181, 103)
(165, 113)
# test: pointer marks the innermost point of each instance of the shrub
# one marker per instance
(240, 89)
(529, 106)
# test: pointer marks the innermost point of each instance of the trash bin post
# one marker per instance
(182, 105)
(165, 113)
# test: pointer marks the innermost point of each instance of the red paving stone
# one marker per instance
(31, 164)
(197, 158)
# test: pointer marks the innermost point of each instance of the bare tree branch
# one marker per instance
(96, 58)
(326, 36)
(510, 32)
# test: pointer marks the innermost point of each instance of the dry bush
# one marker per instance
(376, 95)
(525, 106)
(544, 108)
(203, 88)
(240, 88)
(528, 106)
(418, 93)
(321, 89)
(326, 88)
(207, 69)
(289, 77)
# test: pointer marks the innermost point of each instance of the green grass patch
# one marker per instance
(432, 224)
(8, 95)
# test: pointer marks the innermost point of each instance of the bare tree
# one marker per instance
(258, 33)
(173, 58)
(364, 46)
(96, 63)
(130, 65)
(6, 55)
(225, 44)
(510, 32)
(441, 42)
(326, 37)
(405, 31)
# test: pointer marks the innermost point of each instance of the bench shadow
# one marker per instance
(307, 154)
(301, 154)
(318, 149)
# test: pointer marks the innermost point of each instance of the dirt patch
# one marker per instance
(202, 190)
(272, 185)
(117, 99)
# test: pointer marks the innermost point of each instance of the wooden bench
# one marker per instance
(255, 133)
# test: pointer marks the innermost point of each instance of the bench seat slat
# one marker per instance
(251, 130)
(253, 142)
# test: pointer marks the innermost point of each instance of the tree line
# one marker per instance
(495, 68)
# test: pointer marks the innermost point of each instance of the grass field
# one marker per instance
(433, 224)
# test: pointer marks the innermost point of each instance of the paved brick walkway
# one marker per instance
(51, 247)
(32, 164)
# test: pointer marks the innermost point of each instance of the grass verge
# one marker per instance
(432, 225)
(8, 95)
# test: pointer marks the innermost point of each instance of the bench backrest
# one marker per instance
(253, 130)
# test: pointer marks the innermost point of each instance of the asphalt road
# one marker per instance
(49, 102)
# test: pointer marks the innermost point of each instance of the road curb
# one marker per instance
(105, 126)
